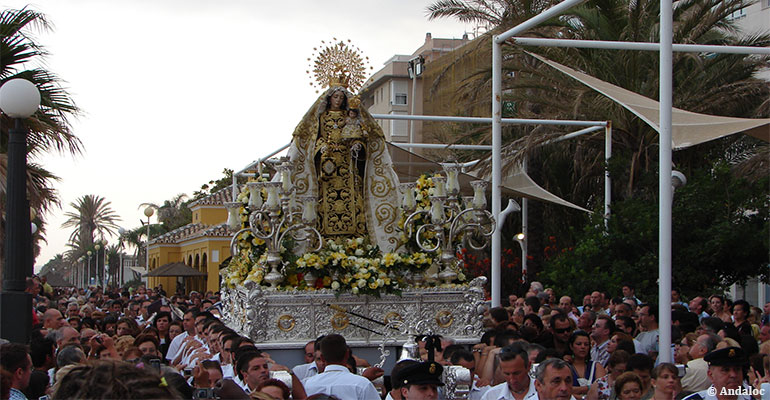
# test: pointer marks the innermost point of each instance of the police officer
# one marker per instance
(420, 381)
(725, 372)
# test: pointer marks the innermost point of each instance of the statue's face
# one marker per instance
(336, 100)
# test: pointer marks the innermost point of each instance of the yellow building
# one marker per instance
(202, 244)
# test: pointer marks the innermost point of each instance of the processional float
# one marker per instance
(330, 242)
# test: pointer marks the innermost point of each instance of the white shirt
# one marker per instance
(478, 393)
(227, 371)
(649, 341)
(501, 392)
(336, 380)
(696, 378)
(173, 348)
(388, 397)
(305, 371)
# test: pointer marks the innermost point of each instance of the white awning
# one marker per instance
(688, 128)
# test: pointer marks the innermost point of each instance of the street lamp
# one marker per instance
(88, 276)
(415, 69)
(148, 213)
(122, 233)
(522, 239)
(19, 99)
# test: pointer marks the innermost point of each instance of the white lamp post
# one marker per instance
(19, 99)
(148, 212)
(522, 239)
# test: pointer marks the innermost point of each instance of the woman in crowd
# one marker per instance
(621, 341)
(682, 348)
(584, 371)
(127, 327)
(161, 323)
(628, 386)
(602, 389)
(666, 381)
(174, 329)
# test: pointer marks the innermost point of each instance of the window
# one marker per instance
(399, 127)
(399, 90)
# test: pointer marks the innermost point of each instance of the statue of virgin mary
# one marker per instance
(340, 157)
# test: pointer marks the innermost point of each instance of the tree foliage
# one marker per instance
(720, 228)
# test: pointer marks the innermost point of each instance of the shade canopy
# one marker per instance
(687, 128)
(409, 166)
(175, 269)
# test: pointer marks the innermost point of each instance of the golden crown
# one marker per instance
(338, 64)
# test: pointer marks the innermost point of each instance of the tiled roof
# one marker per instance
(218, 198)
(192, 231)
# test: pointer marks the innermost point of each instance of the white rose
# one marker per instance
(359, 252)
(335, 285)
(355, 290)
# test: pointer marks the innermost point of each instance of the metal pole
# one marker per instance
(16, 302)
(607, 179)
(497, 115)
(477, 120)
(414, 103)
(524, 227)
(147, 256)
(664, 179)
(640, 46)
(537, 20)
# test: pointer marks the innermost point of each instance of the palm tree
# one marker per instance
(92, 216)
(49, 129)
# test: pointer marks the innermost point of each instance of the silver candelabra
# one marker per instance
(446, 219)
(275, 218)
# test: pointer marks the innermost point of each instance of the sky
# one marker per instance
(174, 91)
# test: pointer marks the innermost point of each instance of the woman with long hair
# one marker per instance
(584, 371)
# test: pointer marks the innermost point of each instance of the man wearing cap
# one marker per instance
(726, 375)
(514, 365)
(419, 381)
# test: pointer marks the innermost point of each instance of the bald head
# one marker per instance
(67, 336)
(52, 319)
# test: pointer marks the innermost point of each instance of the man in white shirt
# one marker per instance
(314, 367)
(514, 365)
(553, 380)
(188, 324)
(337, 380)
(252, 370)
(696, 378)
(420, 381)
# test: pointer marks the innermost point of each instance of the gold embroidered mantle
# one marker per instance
(379, 188)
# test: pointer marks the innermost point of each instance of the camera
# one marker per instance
(204, 393)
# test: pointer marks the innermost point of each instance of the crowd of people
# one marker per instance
(140, 343)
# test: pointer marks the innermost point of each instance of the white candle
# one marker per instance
(437, 210)
(479, 197)
(272, 194)
(255, 195)
(439, 184)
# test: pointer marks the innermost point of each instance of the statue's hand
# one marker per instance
(355, 149)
